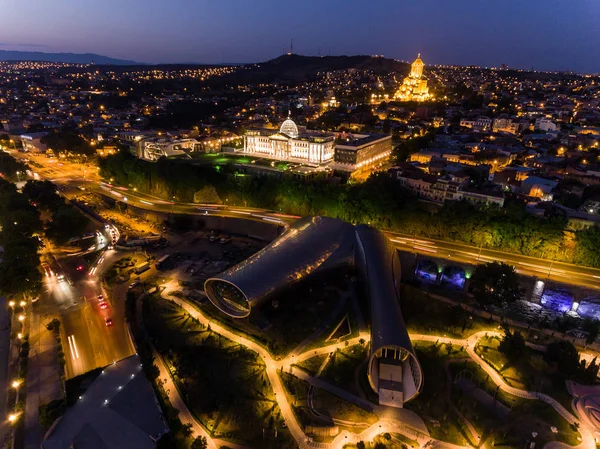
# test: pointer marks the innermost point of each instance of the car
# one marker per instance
(100, 298)
(47, 270)
(108, 322)
(80, 267)
(133, 284)
(104, 305)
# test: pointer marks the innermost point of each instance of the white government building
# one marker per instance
(297, 144)
(291, 143)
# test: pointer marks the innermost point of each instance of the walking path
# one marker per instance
(390, 425)
(469, 344)
(43, 379)
(476, 436)
(4, 360)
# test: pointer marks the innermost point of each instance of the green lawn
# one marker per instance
(430, 404)
(426, 315)
(289, 318)
(329, 406)
(525, 417)
(341, 368)
(531, 372)
(313, 364)
(225, 385)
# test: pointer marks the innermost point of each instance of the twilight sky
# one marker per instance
(543, 34)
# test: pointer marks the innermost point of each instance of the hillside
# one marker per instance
(73, 58)
(296, 68)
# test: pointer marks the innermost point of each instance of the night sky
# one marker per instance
(543, 34)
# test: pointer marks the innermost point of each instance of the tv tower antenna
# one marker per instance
(291, 45)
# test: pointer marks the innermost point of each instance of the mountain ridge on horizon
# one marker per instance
(69, 58)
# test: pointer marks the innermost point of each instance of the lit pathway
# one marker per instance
(304, 442)
(469, 344)
(384, 424)
(170, 388)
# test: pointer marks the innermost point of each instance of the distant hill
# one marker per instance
(73, 58)
(297, 68)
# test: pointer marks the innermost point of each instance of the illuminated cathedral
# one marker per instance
(414, 87)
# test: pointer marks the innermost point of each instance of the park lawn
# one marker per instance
(291, 317)
(431, 403)
(312, 365)
(341, 368)
(224, 384)
(445, 350)
(426, 315)
(338, 408)
(329, 405)
(531, 372)
(525, 417)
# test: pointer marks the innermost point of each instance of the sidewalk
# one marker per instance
(4, 350)
(43, 378)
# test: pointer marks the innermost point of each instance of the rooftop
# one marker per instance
(118, 411)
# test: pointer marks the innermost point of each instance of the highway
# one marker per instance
(450, 251)
(87, 342)
(70, 173)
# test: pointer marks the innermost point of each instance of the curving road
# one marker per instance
(63, 172)
(450, 251)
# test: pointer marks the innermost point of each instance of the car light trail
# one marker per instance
(274, 220)
(147, 202)
(429, 250)
(73, 346)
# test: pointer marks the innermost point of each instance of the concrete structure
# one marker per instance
(154, 148)
(118, 410)
(33, 142)
(345, 152)
(361, 151)
(447, 188)
(414, 87)
(291, 143)
(318, 244)
(545, 124)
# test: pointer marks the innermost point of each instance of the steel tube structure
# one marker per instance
(316, 244)
(309, 245)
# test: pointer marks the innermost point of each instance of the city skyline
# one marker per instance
(550, 35)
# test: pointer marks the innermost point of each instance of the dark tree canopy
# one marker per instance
(512, 345)
(495, 283)
(565, 356)
(66, 140)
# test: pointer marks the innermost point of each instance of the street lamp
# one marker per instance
(11, 304)
(15, 383)
(23, 303)
(21, 318)
(13, 417)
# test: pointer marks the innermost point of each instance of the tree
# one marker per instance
(67, 222)
(565, 356)
(66, 140)
(200, 443)
(44, 194)
(495, 283)
(592, 327)
(512, 345)
(186, 430)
